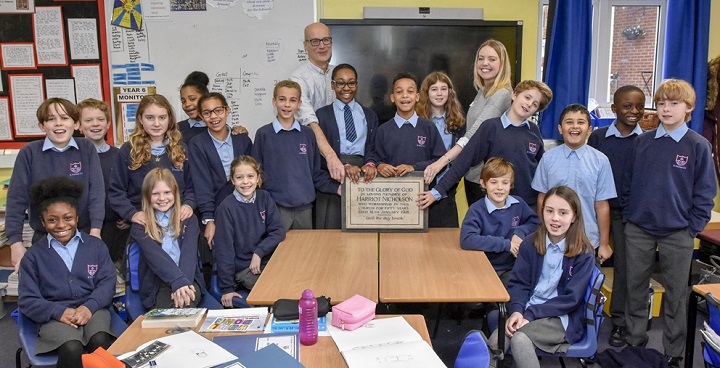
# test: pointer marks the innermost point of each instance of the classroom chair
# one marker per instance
(28, 336)
(711, 357)
(133, 304)
(215, 291)
(586, 348)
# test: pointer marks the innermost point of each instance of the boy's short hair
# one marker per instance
(623, 90)
(496, 167)
(404, 75)
(66, 106)
(574, 108)
(341, 67)
(289, 84)
(92, 103)
(677, 90)
(545, 91)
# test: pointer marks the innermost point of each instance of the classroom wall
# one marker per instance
(525, 10)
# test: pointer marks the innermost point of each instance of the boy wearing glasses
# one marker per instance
(314, 78)
(290, 160)
(350, 131)
(210, 155)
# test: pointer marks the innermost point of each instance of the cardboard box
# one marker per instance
(658, 291)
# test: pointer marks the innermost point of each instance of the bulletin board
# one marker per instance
(48, 49)
(244, 46)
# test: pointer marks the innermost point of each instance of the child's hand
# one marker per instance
(82, 316)
(17, 251)
(353, 172)
(425, 199)
(387, 170)
(404, 169)
(255, 264)
(604, 252)
(239, 129)
(226, 299)
(95, 232)
(185, 212)
(122, 224)
(339, 190)
(183, 296)
(433, 169)
(515, 245)
(370, 173)
(68, 317)
(210, 232)
(139, 218)
(514, 323)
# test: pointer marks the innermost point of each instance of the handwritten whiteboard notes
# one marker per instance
(62, 88)
(230, 88)
(49, 36)
(17, 6)
(5, 132)
(137, 45)
(156, 10)
(271, 53)
(301, 55)
(18, 56)
(26, 92)
(87, 81)
(83, 39)
(257, 8)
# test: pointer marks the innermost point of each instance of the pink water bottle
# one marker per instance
(308, 312)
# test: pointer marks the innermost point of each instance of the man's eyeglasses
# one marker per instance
(341, 84)
(316, 41)
(217, 111)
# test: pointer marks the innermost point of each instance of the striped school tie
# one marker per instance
(350, 133)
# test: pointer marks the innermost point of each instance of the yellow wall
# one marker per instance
(714, 49)
(525, 10)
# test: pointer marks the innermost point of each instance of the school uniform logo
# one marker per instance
(532, 147)
(681, 161)
(303, 149)
(515, 221)
(76, 168)
(421, 140)
(262, 214)
(92, 270)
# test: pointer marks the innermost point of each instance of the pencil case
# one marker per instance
(287, 309)
(353, 313)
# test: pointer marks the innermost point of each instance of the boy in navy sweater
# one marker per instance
(59, 154)
(94, 124)
(409, 143)
(616, 142)
(289, 155)
(500, 222)
(510, 136)
(667, 199)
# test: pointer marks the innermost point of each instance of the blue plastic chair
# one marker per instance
(133, 303)
(586, 348)
(712, 358)
(28, 336)
(217, 294)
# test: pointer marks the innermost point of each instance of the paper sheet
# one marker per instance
(83, 39)
(49, 36)
(17, 6)
(5, 133)
(18, 56)
(87, 81)
(26, 91)
(62, 88)
(189, 349)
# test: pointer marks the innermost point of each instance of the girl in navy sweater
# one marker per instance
(249, 228)
(211, 154)
(154, 143)
(194, 87)
(68, 279)
(548, 282)
(168, 266)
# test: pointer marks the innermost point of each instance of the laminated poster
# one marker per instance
(17, 6)
(5, 133)
(17, 56)
(61, 88)
(26, 93)
(127, 14)
(83, 39)
(87, 81)
(49, 36)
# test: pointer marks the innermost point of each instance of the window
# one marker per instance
(626, 46)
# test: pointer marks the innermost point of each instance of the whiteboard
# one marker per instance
(244, 51)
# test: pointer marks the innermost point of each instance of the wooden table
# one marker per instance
(698, 292)
(714, 223)
(323, 354)
(328, 262)
(431, 267)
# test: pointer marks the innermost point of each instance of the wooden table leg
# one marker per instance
(437, 320)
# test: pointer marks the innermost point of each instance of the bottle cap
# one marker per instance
(308, 294)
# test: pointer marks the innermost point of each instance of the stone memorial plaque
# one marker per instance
(386, 204)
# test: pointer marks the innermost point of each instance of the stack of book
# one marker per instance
(173, 317)
(293, 325)
(12, 284)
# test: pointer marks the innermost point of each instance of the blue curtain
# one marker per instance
(686, 49)
(567, 63)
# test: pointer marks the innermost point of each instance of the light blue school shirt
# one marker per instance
(225, 151)
(103, 147)
(587, 171)
(676, 134)
(550, 275)
(509, 201)
(347, 147)
(157, 150)
(505, 120)
(442, 129)
(278, 127)
(614, 132)
(66, 252)
(169, 245)
(48, 145)
(196, 123)
(400, 121)
(240, 198)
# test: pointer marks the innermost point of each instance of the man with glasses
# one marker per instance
(314, 78)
